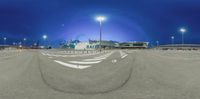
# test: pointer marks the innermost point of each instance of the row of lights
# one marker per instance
(182, 31)
(6, 39)
(100, 19)
(24, 39)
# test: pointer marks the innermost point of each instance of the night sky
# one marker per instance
(127, 20)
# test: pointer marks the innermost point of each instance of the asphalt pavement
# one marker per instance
(112, 74)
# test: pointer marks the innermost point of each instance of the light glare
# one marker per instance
(44, 36)
(182, 30)
(100, 18)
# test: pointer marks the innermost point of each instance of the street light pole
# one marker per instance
(44, 37)
(157, 43)
(4, 40)
(100, 22)
(182, 38)
(182, 30)
(24, 41)
(172, 38)
(100, 19)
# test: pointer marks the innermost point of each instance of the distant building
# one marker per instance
(133, 45)
(8, 47)
(94, 44)
(82, 46)
(69, 44)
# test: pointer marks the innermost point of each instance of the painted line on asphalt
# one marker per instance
(103, 56)
(124, 56)
(96, 59)
(84, 62)
(122, 53)
(42, 53)
(50, 54)
(72, 65)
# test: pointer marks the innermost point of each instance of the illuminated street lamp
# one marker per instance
(44, 37)
(4, 40)
(100, 19)
(172, 38)
(182, 30)
(14, 43)
(24, 41)
(157, 43)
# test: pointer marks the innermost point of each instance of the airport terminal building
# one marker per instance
(111, 45)
(133, 45)
(94, 44)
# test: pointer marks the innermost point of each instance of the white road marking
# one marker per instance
(124, 56)
(82, 67)
(122, 53)
(72, 65)
(103, 56)
(43, 54)
(96, 59)
(81, 62)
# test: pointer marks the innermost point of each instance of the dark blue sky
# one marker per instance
(127, 20)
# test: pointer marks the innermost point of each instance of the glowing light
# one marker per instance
(100, 18)
(182, 30)
(5, 38)
(44, 37)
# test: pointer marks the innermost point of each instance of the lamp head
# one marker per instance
(100, 18)
(44, 36)
(183, 30)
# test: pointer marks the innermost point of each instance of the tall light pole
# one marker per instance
(100, 19)
(44, 37)
(157, 43)
(172, 39)
(24, 41)
(182, 30)
(4, 40)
